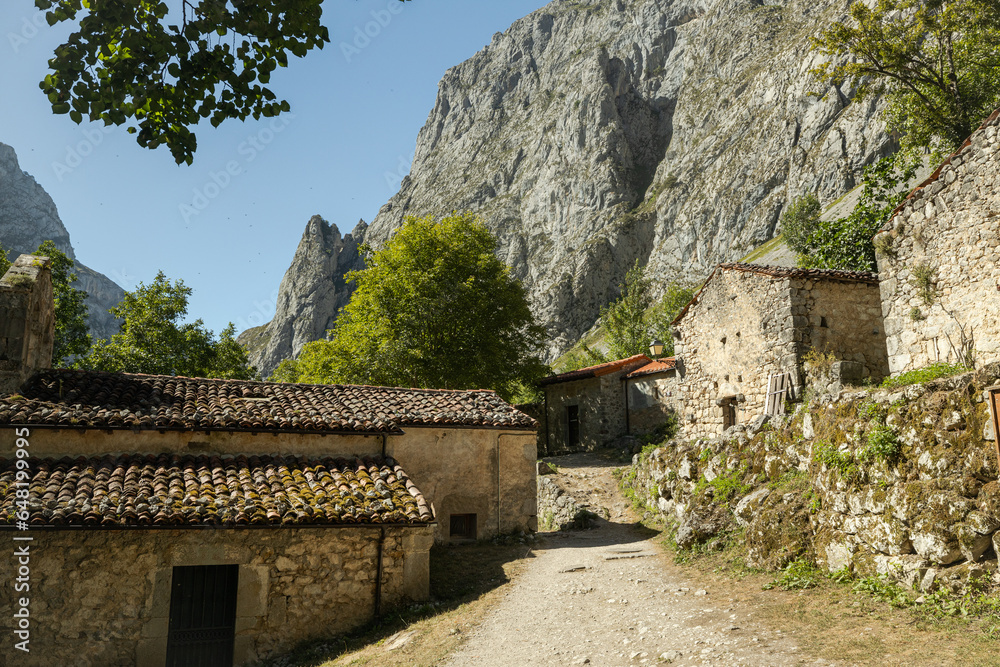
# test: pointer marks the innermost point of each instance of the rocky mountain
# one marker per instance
(28, 216)
(311, 294)
(591, 135)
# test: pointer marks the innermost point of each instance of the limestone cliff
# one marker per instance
(28, 216)
(311, 294)
(593, 134)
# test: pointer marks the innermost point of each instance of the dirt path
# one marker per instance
(609, 596)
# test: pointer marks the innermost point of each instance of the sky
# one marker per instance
(228, 225)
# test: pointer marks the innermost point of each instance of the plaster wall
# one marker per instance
(102, 597)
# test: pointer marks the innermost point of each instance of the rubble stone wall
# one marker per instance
(651, 400)
(746, 326)
(940, 263)
(105, 594)
(601, 402)
(739, 332)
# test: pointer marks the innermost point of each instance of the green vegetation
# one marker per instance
(434, 308)
(798, 575)
(153, 340)
(883, 445)
(727, 485)
(937, 62)
(4, 260)
(160, 72)
(632, 321)
(832, 457)
(926, 374)
(923, 279)
(817, 362)
(72, 337)
(846, 243)
(661, 435)
(799, 222)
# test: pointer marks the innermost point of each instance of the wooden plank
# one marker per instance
(994, 410)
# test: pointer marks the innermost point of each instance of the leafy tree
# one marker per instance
(799, 221)
(163, 70)
(434, 308)
(4, 261)
(72, 337)
(632, 322)
(153, 340)
(624, 320)
(847, 243)
(937, 61)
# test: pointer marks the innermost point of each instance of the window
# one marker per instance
(463, 526)
(202, 616)
(573, 425)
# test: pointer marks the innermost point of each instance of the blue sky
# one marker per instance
(231, 236)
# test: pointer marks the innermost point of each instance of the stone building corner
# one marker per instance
(27, 321)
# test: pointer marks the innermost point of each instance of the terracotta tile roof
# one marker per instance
(992, 119)
(90, 399)
(833, 275)
(596, 371)
(653, 367)
(189, 491)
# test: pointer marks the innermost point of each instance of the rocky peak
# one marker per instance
(28, 217)
(591, 135)
(311, 294)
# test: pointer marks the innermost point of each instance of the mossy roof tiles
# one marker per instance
(97, 400)
(177, 491)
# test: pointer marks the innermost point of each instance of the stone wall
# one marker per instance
(27, 321)
(102, 597)
(739, 331)
(558, 510)
(746, 325)
(925, 511)
(487, 472)
(651, 400)
(940, 262)
(601, 403)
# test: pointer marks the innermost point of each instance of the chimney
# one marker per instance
(27, 321)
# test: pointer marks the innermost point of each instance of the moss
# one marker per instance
(926, 374)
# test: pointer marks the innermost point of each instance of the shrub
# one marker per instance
(818, 363)
(926, 374)
(883, 445)
(799, 221)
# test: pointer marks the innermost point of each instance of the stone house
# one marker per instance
(741, 341)
(291, 512)
(939, 261)
(589, 407)
(651, 395)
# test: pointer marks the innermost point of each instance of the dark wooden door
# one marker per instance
(573, 425)
(202, 616)
(728, 414)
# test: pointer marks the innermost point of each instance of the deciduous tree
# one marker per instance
(154, 339)
(160, 68)
(434, 308)
(937, 61)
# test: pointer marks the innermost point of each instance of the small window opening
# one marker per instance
(823, 324)
(463, 526)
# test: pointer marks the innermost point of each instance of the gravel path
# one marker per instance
(607, 596)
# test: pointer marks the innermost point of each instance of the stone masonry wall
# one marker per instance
(739, 332)
(27, 321)
(940, 263)
(102, 597)
(845, 319)
(747, 325)
(651, 399)
(925, 511)
(601, 402)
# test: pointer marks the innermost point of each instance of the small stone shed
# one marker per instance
(589, 407)
(939, 261)
(294, 501)
(652, 395)
(745, 333)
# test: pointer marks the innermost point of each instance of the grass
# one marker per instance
(926, 374)
(762, 250)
